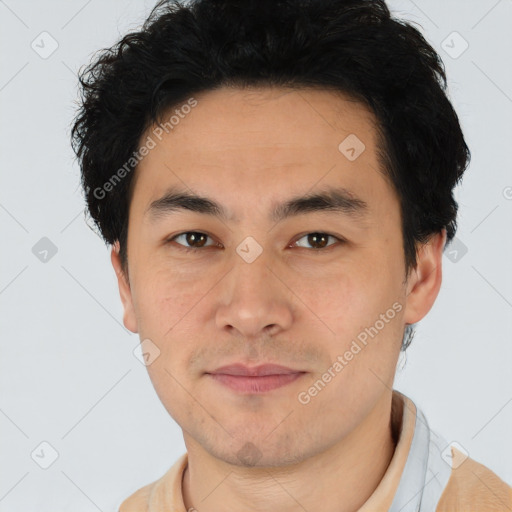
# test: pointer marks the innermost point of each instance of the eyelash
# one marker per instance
(195, 249)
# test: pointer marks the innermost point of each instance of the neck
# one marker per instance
(339, 479)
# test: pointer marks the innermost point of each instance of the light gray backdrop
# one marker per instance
(69, 377)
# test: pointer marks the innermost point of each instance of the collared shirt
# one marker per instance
(426, 474)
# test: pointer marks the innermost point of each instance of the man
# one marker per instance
(276, 180)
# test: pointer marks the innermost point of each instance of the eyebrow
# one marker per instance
(335, 200)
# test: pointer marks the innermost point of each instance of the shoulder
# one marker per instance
(473, 487)
(138, 501)
(162, 494)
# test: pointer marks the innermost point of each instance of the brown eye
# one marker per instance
(318, 240)
(194, 239)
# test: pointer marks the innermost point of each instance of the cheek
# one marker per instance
(167, 307)
(164, 299)
(364, 305)
(341, 302)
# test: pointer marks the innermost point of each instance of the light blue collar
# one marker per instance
(425, 474)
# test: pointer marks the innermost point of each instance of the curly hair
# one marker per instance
(352, 46)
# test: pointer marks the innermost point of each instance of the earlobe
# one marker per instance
(129, 318)
(424, 282)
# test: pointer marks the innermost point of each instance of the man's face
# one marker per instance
(301, 303)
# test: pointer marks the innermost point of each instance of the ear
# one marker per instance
(424, 282)
(129, 318)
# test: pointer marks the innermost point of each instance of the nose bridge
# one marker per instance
(252, 298)
(251, 267)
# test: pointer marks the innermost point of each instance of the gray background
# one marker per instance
(68, 373)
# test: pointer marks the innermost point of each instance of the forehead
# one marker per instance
(231, 118)
(261, 143)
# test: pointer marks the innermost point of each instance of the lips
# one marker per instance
(254, 380)
(255, 371)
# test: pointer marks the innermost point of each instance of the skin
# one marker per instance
(296, 305)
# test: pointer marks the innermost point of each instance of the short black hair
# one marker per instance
(352, 46)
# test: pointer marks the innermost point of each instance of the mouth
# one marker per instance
(254, 380)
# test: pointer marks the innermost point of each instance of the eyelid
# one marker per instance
(339, 239)
(184, 247)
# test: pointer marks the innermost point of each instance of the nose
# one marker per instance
(253, 300)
